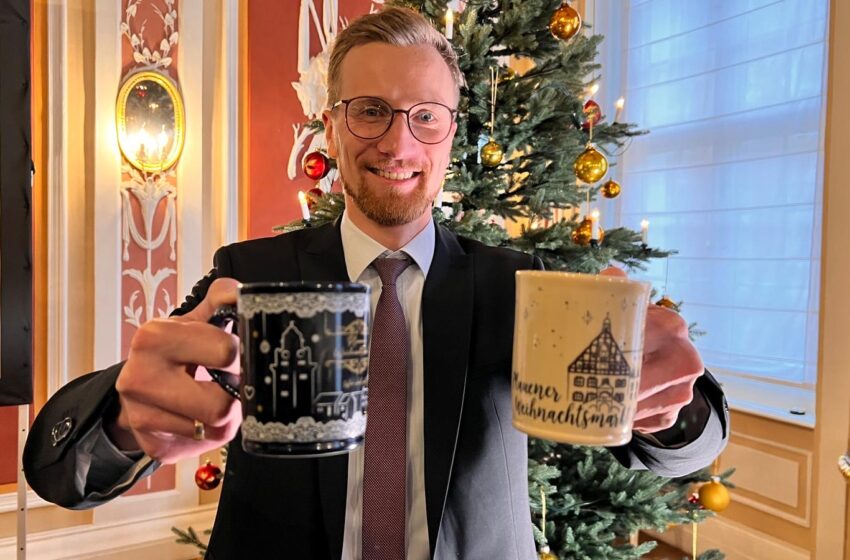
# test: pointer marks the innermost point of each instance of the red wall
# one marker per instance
(273, 107)
(8, 444)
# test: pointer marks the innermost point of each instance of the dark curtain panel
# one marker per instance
(15, 199)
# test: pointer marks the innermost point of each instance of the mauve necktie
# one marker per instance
(385, 453)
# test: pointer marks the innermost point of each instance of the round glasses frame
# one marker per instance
(406, 112)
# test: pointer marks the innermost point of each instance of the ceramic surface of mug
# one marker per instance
(578, 346)
(304, 366)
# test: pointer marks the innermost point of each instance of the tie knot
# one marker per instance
(390, 269)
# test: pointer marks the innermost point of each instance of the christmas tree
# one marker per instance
(528, 160)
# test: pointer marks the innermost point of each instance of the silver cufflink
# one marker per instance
(61, 430)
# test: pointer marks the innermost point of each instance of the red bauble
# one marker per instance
(592, 114)
(316, 165)
(208, 476)
(312, 196)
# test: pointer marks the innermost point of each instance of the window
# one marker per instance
(730, 176)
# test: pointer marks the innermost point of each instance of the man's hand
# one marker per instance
(671, 367)
(159, 397)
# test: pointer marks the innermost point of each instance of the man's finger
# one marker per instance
(222, 291)
(655, 423)
(182, 396)
(158, 421)
(663, 325)
(175, 343)
(670, 400)
(678, 362)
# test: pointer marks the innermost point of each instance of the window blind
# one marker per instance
(730, 175)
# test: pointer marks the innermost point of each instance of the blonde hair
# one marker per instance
(401, 27)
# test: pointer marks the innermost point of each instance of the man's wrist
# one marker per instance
(122, 438)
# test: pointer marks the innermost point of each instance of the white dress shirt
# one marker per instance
(360, 250)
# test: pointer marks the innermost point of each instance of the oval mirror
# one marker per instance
(151, 122)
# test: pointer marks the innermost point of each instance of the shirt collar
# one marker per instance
(360, 249)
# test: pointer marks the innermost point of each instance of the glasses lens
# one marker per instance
(368, 117)
(430, 122)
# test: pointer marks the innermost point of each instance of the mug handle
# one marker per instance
(227, 381)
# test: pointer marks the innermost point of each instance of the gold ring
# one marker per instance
(199, 431)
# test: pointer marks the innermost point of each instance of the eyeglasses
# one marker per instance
(371, 117)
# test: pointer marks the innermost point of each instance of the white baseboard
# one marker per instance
(736, 541)
(138, 539)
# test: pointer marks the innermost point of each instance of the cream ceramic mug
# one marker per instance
(578, 347)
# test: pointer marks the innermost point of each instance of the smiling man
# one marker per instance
(442, 474)
(392, 150)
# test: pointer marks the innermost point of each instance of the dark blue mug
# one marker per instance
(304, 366)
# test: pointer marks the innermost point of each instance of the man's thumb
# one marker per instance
(222, 291)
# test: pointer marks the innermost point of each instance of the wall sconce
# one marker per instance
(151, 121)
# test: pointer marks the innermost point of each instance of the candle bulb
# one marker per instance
(619, 105)
(450, 23)
(163, 141)
(594, 225)
(644, 232)
(305, 211)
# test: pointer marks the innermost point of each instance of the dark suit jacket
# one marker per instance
(475, 461)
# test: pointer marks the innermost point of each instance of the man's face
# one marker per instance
(392, 179)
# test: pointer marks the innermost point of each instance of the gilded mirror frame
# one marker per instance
(123, 116)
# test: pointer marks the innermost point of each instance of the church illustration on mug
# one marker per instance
(328, 386)
(600, 376)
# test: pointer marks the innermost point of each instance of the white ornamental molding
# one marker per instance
(149, 189)
(311, 88)
(160, 55)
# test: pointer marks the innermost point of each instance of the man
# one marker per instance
(393, 89)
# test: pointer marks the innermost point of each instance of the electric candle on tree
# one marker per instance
(305, 211)
(594, 225)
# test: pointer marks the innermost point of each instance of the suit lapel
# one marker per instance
(446, 321)
(321, 258)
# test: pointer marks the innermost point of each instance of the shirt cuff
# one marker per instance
(101, 466)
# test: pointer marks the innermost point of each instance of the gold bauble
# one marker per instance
(667, 303)
(565, 22)
(611, 189)
(583, 233)
(491, 154)
(591, 165)
(714, 496)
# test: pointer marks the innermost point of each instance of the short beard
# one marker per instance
(389, 208)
